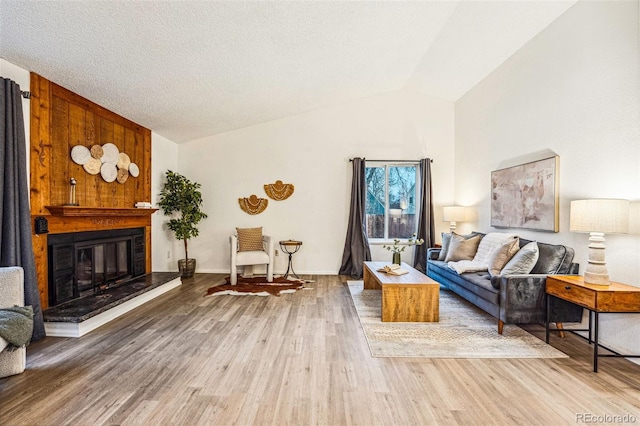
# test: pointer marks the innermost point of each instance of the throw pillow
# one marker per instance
(249, 239)
(461, 248)
(489, 243)
(523, 261)
(446, 239)
(501, 255)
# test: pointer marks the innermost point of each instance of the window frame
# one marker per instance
(387, 165)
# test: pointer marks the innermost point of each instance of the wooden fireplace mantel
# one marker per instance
(98, 211)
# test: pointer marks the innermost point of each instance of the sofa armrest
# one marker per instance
(433, 253)
(522, 298)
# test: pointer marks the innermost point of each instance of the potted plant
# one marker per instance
(396, 248)
(181, 197)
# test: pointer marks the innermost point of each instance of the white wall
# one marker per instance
(311, 151)
(165, 249)
(574, 89)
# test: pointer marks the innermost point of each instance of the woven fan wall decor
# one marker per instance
(279, 191)
(253, 204)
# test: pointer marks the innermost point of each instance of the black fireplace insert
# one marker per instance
(83, 263)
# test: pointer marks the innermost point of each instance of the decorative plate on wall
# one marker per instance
(134, 170)
(80, 154)
(109, 172)
(92, 166)
(97, 151)
(123, 161)
(111, 153)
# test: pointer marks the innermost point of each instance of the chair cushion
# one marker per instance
(249, 239)
(252, 258)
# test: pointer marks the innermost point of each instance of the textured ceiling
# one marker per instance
(190, 69)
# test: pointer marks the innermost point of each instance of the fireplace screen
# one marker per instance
(86, 262)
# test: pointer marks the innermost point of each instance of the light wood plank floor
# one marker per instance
(297, 359)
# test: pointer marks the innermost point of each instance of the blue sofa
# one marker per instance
(513, 299)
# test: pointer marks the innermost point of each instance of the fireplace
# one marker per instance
(83, 263)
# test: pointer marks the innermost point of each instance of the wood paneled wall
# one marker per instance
(61, 119)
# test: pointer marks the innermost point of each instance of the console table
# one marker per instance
(412, 297)
(615, 298)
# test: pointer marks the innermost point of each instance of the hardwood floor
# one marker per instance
(298, 359)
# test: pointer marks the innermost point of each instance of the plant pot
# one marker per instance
(396, 258)
(187, 267)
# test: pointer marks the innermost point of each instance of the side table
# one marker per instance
(290, 247)
(615, 298)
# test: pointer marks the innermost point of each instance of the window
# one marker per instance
(391, 200)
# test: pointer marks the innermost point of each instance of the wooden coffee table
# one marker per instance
(411, 297)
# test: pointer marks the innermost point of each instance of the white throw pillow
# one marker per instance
(489, 243)
(523, 261)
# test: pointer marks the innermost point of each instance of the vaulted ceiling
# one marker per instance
(191, 69)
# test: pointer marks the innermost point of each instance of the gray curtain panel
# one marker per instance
(16, 248)
(426, 227)
(356, 245)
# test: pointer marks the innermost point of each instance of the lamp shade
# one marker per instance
(609, 216)
(453, 214)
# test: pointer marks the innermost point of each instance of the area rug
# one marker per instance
(256, 286)
(463, 331)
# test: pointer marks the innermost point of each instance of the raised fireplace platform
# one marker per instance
(80, 316)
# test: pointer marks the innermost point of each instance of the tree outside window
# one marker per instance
(391, 201)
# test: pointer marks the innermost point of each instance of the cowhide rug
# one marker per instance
(256, 286)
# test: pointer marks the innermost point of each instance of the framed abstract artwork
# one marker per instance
(526, 196)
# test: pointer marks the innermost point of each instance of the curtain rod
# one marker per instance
(391, 161)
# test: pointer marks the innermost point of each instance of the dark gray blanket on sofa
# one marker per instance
(16, 325)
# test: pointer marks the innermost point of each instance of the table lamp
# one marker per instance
(599, 216)
(453, 214)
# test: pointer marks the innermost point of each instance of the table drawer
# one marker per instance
(572, 293)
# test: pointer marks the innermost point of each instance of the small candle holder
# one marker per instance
(72, 193)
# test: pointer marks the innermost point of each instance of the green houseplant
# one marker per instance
(396, 248)
(182, 199)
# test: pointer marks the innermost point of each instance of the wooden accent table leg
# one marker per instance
(560, 327)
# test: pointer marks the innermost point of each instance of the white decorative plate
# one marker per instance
(109, 172)
(111, 153)
(123, 161)
(92, 166)
(134, 170)
(80, 154)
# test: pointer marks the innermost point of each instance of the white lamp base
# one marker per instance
(596, 272)
(452, 227)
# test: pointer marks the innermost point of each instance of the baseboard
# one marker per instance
(79, 329)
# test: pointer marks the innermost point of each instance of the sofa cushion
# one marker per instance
(550, 259)
(446, 239)
(523, 261)
(477, 283)
(249, 239)
(461, 248)
(501, 255)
